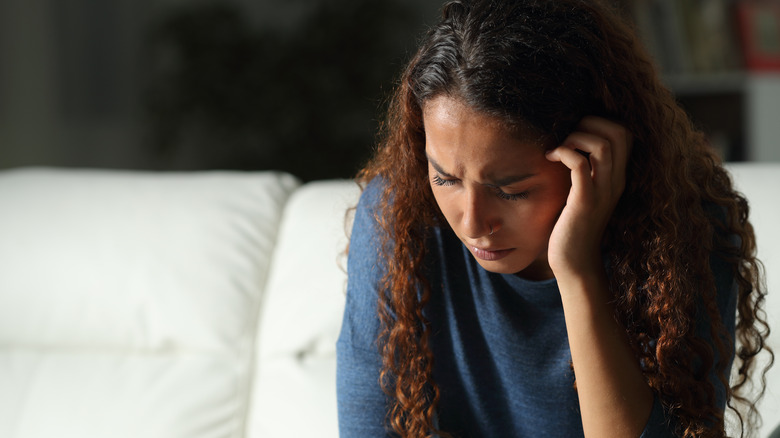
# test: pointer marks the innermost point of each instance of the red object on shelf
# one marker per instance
(759, 28)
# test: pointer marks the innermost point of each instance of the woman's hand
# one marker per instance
(596, 153)
(615, 399)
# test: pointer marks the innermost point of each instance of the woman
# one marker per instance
(544, 246)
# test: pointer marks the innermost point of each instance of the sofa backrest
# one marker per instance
(129, 301)
(294, 392)
(760, 183)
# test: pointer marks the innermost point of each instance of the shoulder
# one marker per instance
(371, 196)
(366, 269)
(367, 229)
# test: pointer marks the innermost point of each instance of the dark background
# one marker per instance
(293, 85)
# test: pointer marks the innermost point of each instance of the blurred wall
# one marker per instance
(296, 85)
(68, 83)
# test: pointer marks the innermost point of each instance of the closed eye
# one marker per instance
(439, 181)
(511, 196)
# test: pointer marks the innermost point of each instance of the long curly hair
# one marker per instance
(549, 63)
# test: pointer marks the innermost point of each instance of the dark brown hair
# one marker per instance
(547, 64)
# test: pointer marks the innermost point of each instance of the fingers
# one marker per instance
(597, 154)
(620, 142)
(616, 133)
(580, 166)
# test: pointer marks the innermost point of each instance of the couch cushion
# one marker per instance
(295, 388)
(128, 301)
(759, 183)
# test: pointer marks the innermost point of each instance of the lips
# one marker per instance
(489, 255)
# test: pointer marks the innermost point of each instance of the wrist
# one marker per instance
(584, 287)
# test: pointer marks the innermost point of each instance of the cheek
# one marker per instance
(535, 220)
(440, 199)
(556, 202)
(562, 184)
(452, 205)
(558, 193)
(447, 205)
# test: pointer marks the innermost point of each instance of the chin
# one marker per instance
(529, 271)
(500, 267)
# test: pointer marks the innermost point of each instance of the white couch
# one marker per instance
(197, 305)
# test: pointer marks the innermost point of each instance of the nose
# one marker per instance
(477, 219)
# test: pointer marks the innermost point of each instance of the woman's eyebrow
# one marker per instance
(493, 182)
(509, 180)
(437, 167)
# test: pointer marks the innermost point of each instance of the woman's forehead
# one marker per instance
(446, 110)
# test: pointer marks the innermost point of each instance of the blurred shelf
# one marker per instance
(707, 84)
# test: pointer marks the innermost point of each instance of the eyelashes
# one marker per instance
(511, 196)
(439, 181)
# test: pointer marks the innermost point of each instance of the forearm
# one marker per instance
(615, 399)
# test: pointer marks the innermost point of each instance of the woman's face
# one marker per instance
(486, 178)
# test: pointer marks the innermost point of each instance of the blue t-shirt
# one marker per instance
(500, 346)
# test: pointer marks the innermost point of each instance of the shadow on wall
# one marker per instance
(220, 94)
